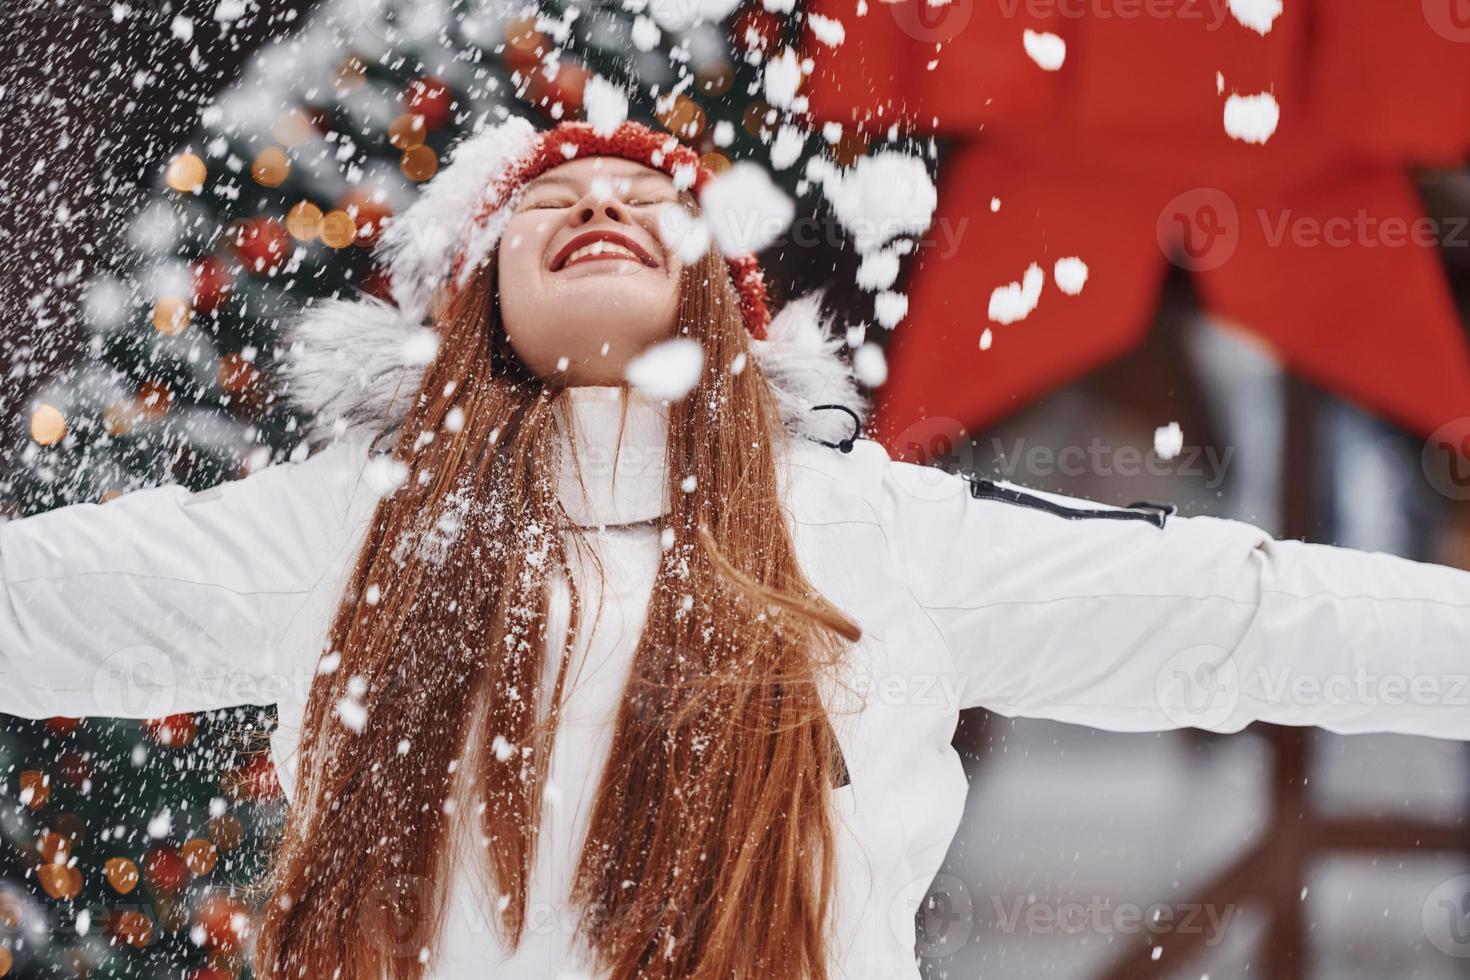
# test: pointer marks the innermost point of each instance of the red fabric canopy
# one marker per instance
(1316, 241)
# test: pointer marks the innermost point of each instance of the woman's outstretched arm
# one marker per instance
(1060, 608)
(162, 601)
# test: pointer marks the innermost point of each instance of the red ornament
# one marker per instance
(378, 283)
(133, 928)
(224, 920)
(369, 209)
(62, 726)
(757, 29)
(256, 780)
(261, 243)
(174, 730)
(212, 284)
(430, 98)
(165, 869)
(566, 88)
(75, 768)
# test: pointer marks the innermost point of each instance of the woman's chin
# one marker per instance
(620, 307)
(592, 344)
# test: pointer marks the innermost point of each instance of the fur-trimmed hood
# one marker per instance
(353, 364)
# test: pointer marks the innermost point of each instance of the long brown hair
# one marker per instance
(710, 848)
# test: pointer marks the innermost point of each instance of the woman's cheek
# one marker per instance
(519, 277)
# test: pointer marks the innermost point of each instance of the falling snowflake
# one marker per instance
(607, 105)
(1070, 275)
(745, 211)
(1047, 50)
(1252, 118)
(1168, 440)
(1015, 301)
(870, 366)
(667, 371)
(1258, 15)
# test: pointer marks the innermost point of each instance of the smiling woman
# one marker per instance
(585, 281)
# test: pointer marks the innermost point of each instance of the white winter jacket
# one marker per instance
(969, 594)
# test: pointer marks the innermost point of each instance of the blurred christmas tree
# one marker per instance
(129, 845)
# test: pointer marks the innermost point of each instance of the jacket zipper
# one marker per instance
(1143, 510)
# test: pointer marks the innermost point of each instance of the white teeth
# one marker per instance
(602, 247)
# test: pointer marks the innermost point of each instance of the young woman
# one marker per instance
(573, 681)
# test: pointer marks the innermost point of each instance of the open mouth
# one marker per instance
(597, 246)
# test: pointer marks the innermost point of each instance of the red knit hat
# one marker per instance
(630, 141)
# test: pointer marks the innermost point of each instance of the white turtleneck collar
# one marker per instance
(620, 458)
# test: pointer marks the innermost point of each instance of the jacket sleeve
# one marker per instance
(162, 600)
(1064, 609)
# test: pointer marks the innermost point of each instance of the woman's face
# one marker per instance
(585, 283)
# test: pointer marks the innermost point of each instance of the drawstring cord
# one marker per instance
(857, 428)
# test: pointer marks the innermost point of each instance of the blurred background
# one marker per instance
(1271, 209)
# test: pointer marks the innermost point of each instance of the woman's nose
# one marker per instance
(594, 206)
